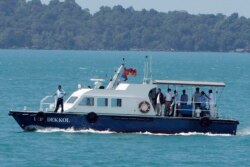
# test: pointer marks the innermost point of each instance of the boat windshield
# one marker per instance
(72, 99)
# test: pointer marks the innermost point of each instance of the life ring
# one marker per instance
(92, 117)
(205, 122)
(41, 116)
(144, 107)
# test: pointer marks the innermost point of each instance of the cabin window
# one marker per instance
(116, 102)
(87, 101)
(102, 102)
(72, 99)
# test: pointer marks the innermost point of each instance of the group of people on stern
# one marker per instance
(201, 102)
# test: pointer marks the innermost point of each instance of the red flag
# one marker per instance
(132, 71)
(128, 71)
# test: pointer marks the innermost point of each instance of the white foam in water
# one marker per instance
(71, 130)
(184, 134)
(244, 132)
(204, 134)
(83, 68)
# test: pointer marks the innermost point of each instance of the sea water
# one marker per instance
(26, 76)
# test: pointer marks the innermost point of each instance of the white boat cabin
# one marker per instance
(121, 98)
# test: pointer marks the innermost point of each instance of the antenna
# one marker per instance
(123, 61)
(150, 64)
(147, 71)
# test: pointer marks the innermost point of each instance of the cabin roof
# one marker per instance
(122, 90)
(189, 83)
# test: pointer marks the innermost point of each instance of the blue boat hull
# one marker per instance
(168, 125)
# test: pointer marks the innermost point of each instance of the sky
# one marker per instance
(226, 7)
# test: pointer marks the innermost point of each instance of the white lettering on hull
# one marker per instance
(64, 120)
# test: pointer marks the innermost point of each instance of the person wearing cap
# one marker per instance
(59, 95)
(168, 102)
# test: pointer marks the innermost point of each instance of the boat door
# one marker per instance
(152, 97)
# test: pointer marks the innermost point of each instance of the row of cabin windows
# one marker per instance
(101, 102)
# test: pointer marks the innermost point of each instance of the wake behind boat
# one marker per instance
(127, 107)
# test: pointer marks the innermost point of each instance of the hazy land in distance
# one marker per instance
(65, 25)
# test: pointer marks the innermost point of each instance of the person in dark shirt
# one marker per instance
(159, 101)
(184, 98)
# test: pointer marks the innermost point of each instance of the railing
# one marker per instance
(50, 105)
(190, 109)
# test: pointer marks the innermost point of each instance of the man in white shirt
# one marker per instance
(196, 98)
(211, 102)
(175, 103)
(168, 101)
(175, 97)
(59, 94)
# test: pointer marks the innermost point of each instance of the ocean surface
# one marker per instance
(26, 76)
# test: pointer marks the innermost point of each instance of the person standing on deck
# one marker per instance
(196, 98)
(59, 94)
(175, 97)
(168, 102)
(175, 104)
(203, 100)
(211, 103)
(184, 98)
(159, 102)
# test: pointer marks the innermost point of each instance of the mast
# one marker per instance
(113, 81)
(147, 71)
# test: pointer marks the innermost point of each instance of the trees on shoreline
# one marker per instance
(65, 25)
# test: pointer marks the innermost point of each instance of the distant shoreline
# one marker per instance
(65, 25)
(25, 49)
